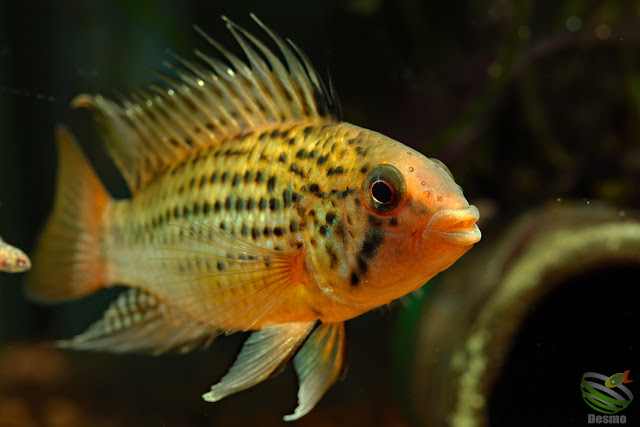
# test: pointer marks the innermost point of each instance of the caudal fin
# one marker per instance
(68, 262)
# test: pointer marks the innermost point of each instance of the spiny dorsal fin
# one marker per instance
(138, 322)
(209, 103)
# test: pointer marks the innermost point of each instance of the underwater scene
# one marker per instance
(357, 212)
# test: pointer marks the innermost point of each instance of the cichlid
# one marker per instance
(253, 208)
(12, 259)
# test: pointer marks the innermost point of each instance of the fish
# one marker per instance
(615, 380)
(254, 208)
(12, 259)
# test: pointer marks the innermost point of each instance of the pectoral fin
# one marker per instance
(319, 363)
(263, 352)
(221, 277)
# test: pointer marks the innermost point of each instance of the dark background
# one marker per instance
(527, 102)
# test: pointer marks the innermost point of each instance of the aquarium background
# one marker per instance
(533, 105)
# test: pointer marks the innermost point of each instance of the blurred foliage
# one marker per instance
(526, 101)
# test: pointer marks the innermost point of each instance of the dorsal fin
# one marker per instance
(210, 102)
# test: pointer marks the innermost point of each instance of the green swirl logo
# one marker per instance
(604, 394)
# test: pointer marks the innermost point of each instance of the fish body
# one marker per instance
(253, 208)
(12, 259)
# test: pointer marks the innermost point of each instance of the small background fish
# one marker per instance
(434, 76)
(12, 259)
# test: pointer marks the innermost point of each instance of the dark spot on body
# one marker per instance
(301, 153)
(275, 204)
(236, 180)
(248, 176)
(371, 243)
(295, 168)
(374, 221)
(282, 158)
(271, 183)
(251, 204)
(224, 177)
(244, 230)
(228, 202)
(364, 168)
(263, 203)
(203, 181)
(287, 197)
(333, 256)
(323, 230)
(322, 160)
(255, 233)
(266, 231)
(275, 133)
(262, 136)
(278, 231)
(217, 206)
(239, 205)
(335, 171)
(307, 130)
(355, 278)
(362, 264)
(347, 192)
(330, 217)
(393, 221)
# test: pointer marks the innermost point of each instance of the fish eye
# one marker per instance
(442, 166)
(384, 188)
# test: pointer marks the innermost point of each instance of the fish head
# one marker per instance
(408, 221)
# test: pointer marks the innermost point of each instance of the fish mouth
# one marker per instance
(455, 226)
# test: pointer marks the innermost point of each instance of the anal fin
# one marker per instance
(262, 354)
(138, 322)
(319, 363)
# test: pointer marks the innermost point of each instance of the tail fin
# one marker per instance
(68, 262)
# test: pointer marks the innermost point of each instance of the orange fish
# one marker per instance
(253, 208)
(12, 259)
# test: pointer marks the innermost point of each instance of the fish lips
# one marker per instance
(454, 226)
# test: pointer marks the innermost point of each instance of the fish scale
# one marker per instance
(253, 207)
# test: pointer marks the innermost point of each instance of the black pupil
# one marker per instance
(381, 191)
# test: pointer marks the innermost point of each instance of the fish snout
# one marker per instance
(455, 226)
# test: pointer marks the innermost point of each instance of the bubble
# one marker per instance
(603, 32)
(524, 32)
(573, 23)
